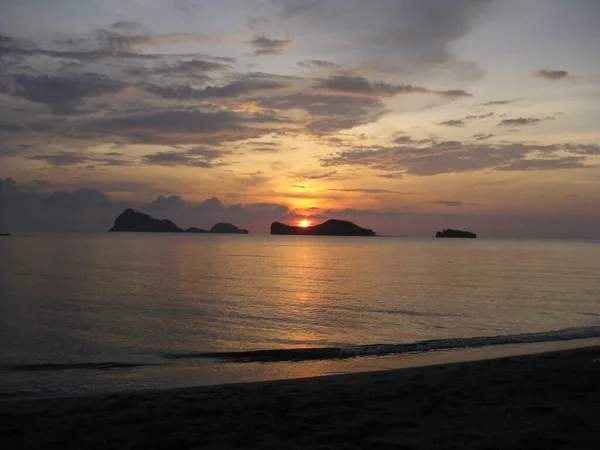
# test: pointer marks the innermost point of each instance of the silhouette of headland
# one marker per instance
(5, 234)
(130, 220)
(332, 227)
(449, 233)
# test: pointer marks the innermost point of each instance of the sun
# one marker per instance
(304, 223)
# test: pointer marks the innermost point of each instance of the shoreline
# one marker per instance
(549, 400)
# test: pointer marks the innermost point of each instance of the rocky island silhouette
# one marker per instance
(130, 220)
(450, 233)
(332, 227)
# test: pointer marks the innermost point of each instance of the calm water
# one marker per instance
(75, 310)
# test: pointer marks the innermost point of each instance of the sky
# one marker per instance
(402, 116)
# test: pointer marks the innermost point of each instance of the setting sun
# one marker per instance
(304, 223)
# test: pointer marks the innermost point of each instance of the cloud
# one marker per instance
(318, 64)
(193, 66)
(453, 123)
(90, 209)
(366, 191)
(392, 176)
(182, 126)
(268, 51)
(566, 162)
(498, 102)
(265, 45)
(62, 94)
(482, 136)
(327, 113)
(463, 121)
(521, 121)
(437, 157)
(11, 127)
(193, 158)
(230, 90)
(127, 42)
(551, 74)
(65, 158)
(166, 203)
(450, 203)
(357, 85)
(420, 34)
(314, 175)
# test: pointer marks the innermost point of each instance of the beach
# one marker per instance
(549, 400)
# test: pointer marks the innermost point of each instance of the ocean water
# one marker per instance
(84, 313)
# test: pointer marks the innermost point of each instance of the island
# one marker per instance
(135, 221)
(4, 234)
(332, 227)
(227, 228)
(449, 233)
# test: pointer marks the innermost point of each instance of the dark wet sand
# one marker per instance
(547, 401)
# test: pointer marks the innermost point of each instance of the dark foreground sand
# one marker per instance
(547, 401)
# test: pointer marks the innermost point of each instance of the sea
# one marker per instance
(108, 312)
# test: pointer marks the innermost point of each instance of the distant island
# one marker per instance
(227, 228)
(332, 227)
(130, 220)
(449, 233)
(4, 234)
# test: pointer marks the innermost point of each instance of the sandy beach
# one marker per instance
(543, 401)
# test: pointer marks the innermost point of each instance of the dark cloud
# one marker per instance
(268, 51)
(439, 157)
(81, 198)
(464, 120)
(127, 26)
(328, 113)
(392, 176)
(482, 136)
(264, 147)
(366, 191)
(265, 45)
(521, 121)
(566, 162)
(451, 203)
(128, 41)
(314, 176)
(551, 74)
(418, 33)
(62, 94)
(91, 209)
(193, 158)
(11, 127)
(351, 84)
(317, 64)
(61, 159)
(230, 90)
(453, 123)
(64, 158)
(192, 66)
(166, 203)
(182, 127)
(498, 102)
(402, 139)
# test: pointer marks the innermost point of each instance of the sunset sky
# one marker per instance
(402, 116)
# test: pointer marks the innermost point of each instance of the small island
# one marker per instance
(134, 221)
(332, 227)
(227, 228)
(449, 233)
(5, 234)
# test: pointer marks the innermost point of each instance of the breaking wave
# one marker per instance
(308, 354)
